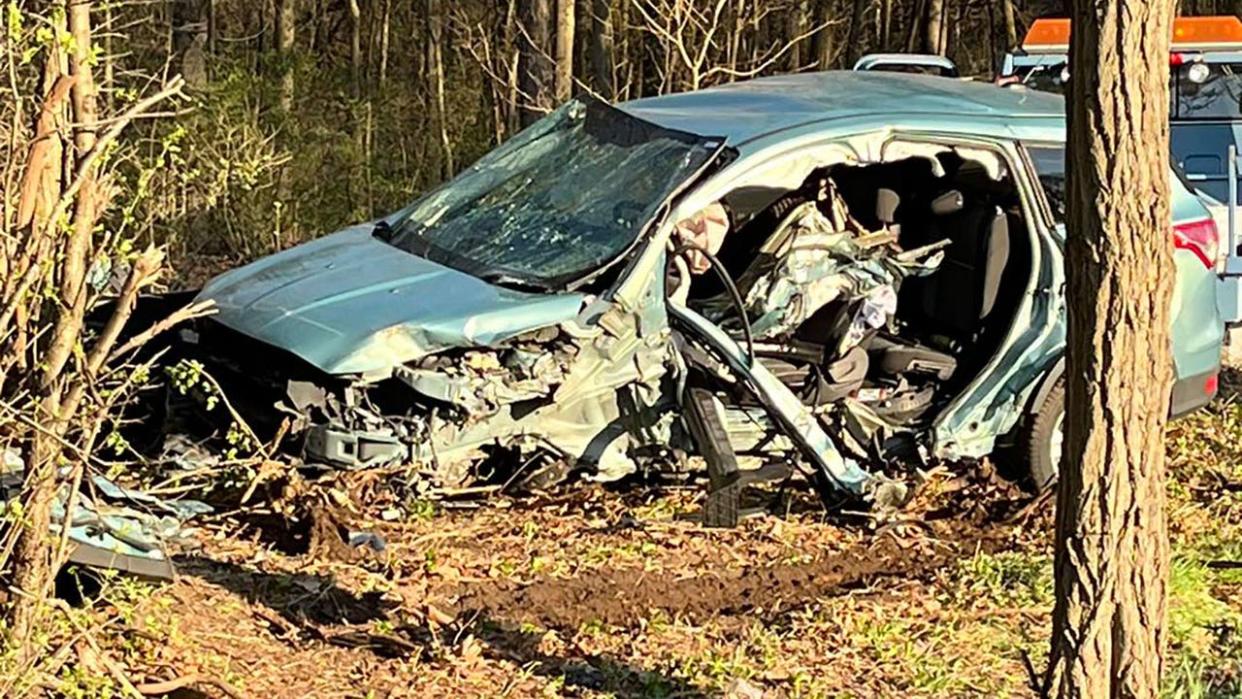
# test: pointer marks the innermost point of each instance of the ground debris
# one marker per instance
(593, 591)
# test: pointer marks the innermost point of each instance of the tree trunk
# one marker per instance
(536, 68)
(946, 26)
(435, 63)
(915, 34)
(821, 43)
(795, 26)
(934, 25)
(386, 23)
(355, 47)
(1111, 535)
(886, 23)
(189, 20)
(77, 252)
(1011, 25)
(564, 49)
(602, 47)
(32, 554)
(42, 186)
(510, 43)
(286, 19)
(212, 29)
(854, 48)
(109, 59)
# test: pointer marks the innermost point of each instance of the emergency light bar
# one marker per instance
(1189, 34)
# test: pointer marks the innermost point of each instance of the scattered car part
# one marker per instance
(111, 526)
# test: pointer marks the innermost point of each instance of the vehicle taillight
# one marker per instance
(1199, 237)
(1211, 385)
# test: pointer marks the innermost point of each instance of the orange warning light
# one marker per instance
(1203, 33)
(1207, 32)
(1048, 35)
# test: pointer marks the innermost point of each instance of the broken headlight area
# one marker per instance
(436, 412)
(534, 407)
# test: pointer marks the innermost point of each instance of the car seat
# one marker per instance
(962, 293)
(955, 301)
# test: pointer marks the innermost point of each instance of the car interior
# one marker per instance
(947, 324)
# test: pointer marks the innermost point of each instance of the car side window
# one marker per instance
(1049, 162)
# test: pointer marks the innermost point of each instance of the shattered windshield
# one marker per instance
(560, 199)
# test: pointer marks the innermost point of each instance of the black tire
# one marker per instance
(1039, 465)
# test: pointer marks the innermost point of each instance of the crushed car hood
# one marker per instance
(349, 303)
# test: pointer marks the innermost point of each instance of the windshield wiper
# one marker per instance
(511, 282)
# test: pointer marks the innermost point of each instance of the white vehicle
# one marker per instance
(1205, 116)
(923, 63)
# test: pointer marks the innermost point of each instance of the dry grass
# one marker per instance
(604, 594)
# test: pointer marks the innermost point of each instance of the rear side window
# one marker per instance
(1049, 162)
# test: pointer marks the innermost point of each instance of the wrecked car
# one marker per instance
(831, 272)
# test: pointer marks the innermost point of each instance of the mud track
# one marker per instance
(621, 597)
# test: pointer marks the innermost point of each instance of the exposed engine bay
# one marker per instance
(873, 292)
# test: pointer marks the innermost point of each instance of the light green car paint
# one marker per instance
(360, 309)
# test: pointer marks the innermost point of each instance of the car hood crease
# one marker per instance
(349, 303)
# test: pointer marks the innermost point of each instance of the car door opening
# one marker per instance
(876, 292)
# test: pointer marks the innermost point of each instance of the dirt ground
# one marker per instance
(594, 592)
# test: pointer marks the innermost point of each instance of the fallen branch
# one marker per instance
(194, 310)
(111, 665)
(145, 268)
(170, 686)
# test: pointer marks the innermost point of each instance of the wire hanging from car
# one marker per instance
(734, 296)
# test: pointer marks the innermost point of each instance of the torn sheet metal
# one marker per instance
(112, 526)
(783, 405)
(481, 382)
(589, 391)
(809, 262)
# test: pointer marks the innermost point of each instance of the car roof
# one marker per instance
(748, 110)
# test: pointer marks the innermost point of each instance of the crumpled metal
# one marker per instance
(809, 262)
(112, 526)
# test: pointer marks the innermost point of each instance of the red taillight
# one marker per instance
(1176, 59)
(1211, 385)
(1199, 237)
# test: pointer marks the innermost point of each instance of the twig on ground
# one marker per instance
(169, 686)
(1032, 507)
(115, 670)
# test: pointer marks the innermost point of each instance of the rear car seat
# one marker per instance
(954, 301)
(963, 292)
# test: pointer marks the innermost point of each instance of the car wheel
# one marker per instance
(1043, 440)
